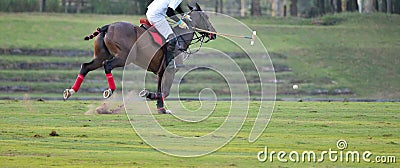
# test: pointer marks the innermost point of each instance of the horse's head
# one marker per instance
(201, 20)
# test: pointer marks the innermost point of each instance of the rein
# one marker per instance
(199, 38)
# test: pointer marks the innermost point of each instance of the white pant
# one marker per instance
(162, 26)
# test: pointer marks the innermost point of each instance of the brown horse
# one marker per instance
(116, 41)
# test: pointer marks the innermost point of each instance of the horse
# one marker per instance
(116, 41)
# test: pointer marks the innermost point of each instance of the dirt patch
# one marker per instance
(37, 136)
(53, 133)
(40, 65)
(108, 109)
(44, 52)
(14, 88)
(113, 105)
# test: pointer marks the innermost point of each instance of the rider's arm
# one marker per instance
(171, 14)
(179, 10)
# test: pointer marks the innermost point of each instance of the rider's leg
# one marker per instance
(170, 53)
(165, 29)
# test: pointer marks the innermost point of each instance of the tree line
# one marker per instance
(129, 7)
(295, 8)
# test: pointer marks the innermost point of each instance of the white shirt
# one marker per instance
(157, 10)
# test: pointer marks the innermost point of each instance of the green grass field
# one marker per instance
(108, 140)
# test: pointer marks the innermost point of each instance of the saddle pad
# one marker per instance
(154, 34)
(157, 38)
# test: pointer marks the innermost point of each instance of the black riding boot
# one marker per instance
(170, 53)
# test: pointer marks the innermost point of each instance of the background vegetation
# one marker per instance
(345, 55)
(294, 8)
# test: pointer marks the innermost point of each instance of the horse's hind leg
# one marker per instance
(85, 69)
(100, 54)
(109, 65)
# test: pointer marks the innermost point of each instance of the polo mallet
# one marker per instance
(252, 37)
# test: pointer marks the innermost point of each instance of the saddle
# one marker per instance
(154, 34)
(158, 39)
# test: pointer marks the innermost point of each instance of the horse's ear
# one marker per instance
(198, 7)
(190, 7)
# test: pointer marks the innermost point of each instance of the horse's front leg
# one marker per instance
(109, 65)
(161, 96)
(85, 69)
(161, 93)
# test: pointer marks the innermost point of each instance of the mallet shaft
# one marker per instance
(222, 34)
(253, 37)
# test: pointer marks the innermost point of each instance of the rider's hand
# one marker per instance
(187, 17)
(182, 24)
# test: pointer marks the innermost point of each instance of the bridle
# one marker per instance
(200, 37)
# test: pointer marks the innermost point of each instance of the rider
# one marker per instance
(156, 13)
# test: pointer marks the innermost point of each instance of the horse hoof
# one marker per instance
(144, 93)
(68, 93)
(163, 111)
(107, 93)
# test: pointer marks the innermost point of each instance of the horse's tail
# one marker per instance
(98, 31)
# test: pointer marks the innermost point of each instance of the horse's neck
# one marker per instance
(186, 36)
(188, 40)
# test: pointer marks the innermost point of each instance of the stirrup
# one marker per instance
(173, 65)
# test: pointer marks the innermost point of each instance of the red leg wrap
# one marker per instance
(162, 98)
(111, 83)
(78, 82)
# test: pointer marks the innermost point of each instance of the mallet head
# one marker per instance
(253, 38)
